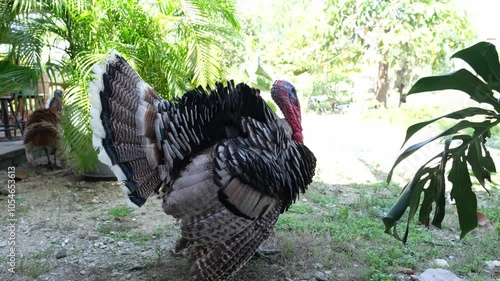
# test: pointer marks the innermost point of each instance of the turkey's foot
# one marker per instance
(266, 253)
(180, 245)
(52, 166)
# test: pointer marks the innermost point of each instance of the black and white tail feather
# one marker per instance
(226, 162)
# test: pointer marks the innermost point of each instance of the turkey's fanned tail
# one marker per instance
(124, 119)
(145, 139)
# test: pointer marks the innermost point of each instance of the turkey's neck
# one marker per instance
(56, 104)
(293, 118)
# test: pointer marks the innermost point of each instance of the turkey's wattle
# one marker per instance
(228, 166)
(285, 96)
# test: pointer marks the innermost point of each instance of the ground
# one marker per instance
(72, 229)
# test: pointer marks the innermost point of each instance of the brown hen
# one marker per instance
(42, 130)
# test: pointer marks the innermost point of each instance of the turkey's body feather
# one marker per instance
(41, 131)
(226, 163)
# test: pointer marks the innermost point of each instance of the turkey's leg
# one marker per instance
(49, 164)
(55, 161)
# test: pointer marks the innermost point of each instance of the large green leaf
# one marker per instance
(410, 197)
(463, 124)
(426, 205)
(483, 58)
(463, 195)
(474, 158)
(459, 114)
(461, 80)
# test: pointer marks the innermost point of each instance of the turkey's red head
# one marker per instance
(285, 96)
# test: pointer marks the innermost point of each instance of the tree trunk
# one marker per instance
(382, 82)
(402, 76)
(402, 96)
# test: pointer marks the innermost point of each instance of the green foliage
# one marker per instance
(464, 145)
(380, 276)
(384, 32)
(120, 212)
(36, 264)
(173, 44)
(289, 37)
(338, 89)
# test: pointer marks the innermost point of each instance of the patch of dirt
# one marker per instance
(62, 213)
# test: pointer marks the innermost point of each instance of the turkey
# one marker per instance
(226, 164)
(42, 130)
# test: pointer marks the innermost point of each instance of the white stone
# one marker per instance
(438, 274)
(441, 263)
(493, 265)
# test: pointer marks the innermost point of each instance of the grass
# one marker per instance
(120, 212)
(37, 263)
(352, 234)
(124, 231)
(122, 228)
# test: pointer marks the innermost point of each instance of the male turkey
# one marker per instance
(227, 164)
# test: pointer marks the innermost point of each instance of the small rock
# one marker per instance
(482, 219)
(494, 268)
(61, 254)
(407, 271)
(438, 274)
(318, 265)
(321, 276)
(441, 263)
(128, 276)
(83, 272)
(3, 243)
(328, 272)
(21, 175)
(120, 243)
(93, 237)
(493, 264)
(103, 246)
